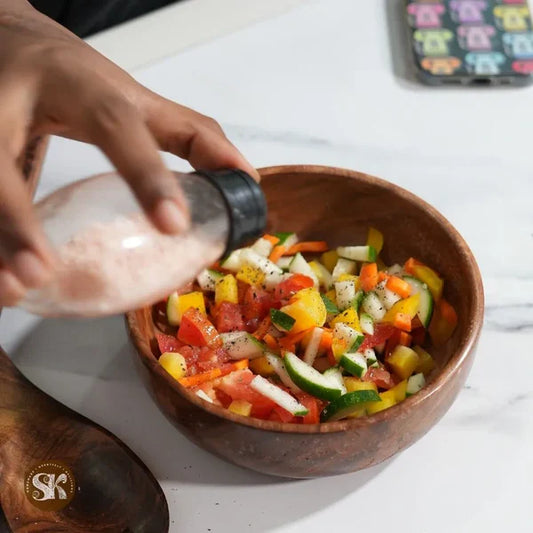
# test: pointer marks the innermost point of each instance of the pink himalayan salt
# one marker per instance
(121, 265)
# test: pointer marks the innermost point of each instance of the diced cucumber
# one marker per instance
(387, 297)
(242, 345)
(373, 306)
(309, 379)
(173, 314)
(358, 300)
(325, 279)
(207, 279)
(313, 345)
(352, 337)
(344, 294)
(366, 254)
(335, 375)
(267, 267)
(331, 308)
(233, 262)
(278, 396)
(347, 404)
(343, 266)
(354, 363)
(284, 262)
(203, 395)
(262, 247)
(281, 320)
(425, 308)
(300, 266)
(370, 356)
(279, 368)
(367, 323)
(287, 239)
(274, 279)
(395, 270)
(415, 383)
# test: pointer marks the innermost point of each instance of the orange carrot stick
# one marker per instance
(405, 339)
(276, 253)
(263, 327)
(410, 264)
(271, 342)
(382, 275)
(271, 239)
(307, 246)
(402, 321)
(399, 286)
(192, 381)
(368, 277)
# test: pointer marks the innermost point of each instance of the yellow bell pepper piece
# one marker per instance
(307, 309)
(408, 306)
(426, 363)
(174, 363)
(353, 384)
(431, 279)
(226, 290)
(375, 239)
(400, 391)
(388, 399)
(261, 366)
(177, 304)
(338, 347)
(240, 407)
(329, 259)
(348, 317)
(251, 275)
(403, 360)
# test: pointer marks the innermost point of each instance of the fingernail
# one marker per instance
(170, 217)
(31, 271)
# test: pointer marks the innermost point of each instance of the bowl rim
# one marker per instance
(452, 367)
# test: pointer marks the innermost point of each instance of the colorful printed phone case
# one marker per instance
(472, 41)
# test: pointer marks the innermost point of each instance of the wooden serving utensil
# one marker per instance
(50, 454)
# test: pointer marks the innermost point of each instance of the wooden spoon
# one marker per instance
(111, 489)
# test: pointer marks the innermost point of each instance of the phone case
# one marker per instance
(479, 42)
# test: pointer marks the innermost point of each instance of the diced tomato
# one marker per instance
(229, 318)
(256, 304)
(195, 329)
(313, 416)
(168, 343)
(285, 416)
(381, 377)
(223, 398)
(237, 386)
(287, 288)
(381, 333)
(208, 358)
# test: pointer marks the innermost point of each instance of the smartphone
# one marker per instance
(471, 42)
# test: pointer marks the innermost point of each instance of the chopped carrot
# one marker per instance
(382, 275)
(289, 342)
(307, 246)
(410, 264)
(402, 321)
(405, 339)
(399, 286)
(271, 342)
(276, 253)
(237, 365)
(326, 339)
(263, 327)
(368, 276)
(197, 379)
(271, 239)
(443, 322)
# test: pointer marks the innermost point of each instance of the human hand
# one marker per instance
(51, 82)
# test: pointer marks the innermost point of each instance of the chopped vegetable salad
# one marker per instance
(297, 332)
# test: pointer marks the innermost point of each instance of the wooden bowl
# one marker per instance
(338, 206)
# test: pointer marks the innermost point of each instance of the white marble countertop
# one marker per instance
(325, 83)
